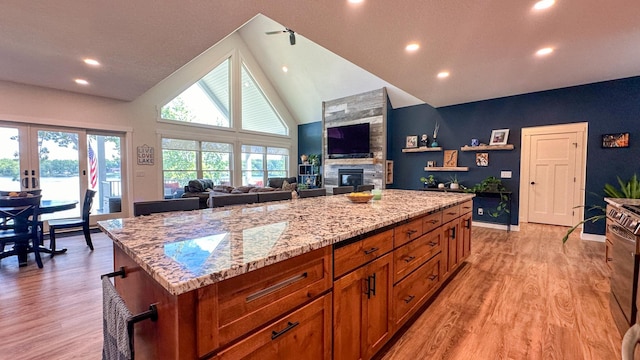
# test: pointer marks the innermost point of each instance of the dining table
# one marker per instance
(46, 207)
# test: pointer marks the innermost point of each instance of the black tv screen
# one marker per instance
(348, 140)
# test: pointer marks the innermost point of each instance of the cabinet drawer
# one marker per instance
(304, 333)
(407, 232)
(410, 256)
(410, 293)
(349, 257)
(431, 222)
(243, 303)
(451, 213)
(466, 207)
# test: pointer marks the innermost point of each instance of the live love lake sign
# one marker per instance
(145, 155)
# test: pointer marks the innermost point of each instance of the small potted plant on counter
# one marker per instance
(429, 181)
(453, 182)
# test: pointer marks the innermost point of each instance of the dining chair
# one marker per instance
(342, 190)
(365, 188)
(24, 232)
(57, 224)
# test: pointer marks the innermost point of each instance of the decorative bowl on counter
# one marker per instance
(360, 197)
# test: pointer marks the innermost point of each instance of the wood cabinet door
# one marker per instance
(377, 321)
(465, 234)
(361, 319)
(451, 236)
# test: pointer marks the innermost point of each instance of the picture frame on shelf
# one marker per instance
(450, 158)
(431, 163)
(499, 137)
(611, 141)
(412, 142)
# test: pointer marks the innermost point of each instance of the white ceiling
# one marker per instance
(488, 46)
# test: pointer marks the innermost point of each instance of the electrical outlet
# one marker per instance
(480, 211)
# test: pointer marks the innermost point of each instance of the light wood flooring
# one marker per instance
(522, 295)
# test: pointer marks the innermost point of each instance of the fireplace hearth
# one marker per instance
(350, 177)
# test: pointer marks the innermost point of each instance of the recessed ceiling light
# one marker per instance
(91, 62)
(81, 82)
(285, 69)
(544, 51)
(412, 47)
(543, 4)
(443, 74)
(355, 1)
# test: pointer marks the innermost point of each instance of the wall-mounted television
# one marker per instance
(348, 141)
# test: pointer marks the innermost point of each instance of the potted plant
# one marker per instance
(453, 182)
(493, 185)
(628, 190)
(314, 159)
(429, 181)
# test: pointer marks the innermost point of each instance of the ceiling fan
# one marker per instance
(292, 34)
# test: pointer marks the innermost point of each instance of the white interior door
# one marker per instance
(552, 178)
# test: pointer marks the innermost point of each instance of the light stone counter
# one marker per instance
(184, 251)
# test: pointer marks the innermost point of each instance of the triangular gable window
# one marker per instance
(257, 112)
(205, 102)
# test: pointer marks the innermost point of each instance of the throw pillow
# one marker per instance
(288, 187)
(223, 188)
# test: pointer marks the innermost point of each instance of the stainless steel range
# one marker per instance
(623, 232)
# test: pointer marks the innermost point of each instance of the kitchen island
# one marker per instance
(280, 279)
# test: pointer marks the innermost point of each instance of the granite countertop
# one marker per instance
(619, 202)
(184, 251)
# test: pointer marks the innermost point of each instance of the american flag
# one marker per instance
(93, 171)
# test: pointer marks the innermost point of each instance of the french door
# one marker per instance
(63, 163)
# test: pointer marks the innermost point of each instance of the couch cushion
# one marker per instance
(276, 182)
(223, 188)
(199, 185)
(242, 189)
(261, 189)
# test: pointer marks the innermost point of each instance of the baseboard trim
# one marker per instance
(495, 226)
(592, 237)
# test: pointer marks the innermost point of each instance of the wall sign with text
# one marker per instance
(145, 155)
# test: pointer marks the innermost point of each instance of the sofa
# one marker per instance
(276, 189)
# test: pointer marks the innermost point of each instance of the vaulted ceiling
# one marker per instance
(488, 47)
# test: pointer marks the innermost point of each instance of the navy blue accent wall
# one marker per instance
(310, 139)
(608, 107)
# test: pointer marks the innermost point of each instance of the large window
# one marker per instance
(205, 102)
(260, 163)
(184, 160)
(257, 112)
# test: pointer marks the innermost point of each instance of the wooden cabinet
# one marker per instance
(407, 232)
(411, 292)
(431, 222)
(234, 307)
(349, 257)
(464, 245)
(361, 320)
(450, 238)
(305, 331)
(410, 256)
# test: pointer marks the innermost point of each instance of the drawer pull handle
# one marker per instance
(434, 222)
(373, 249)
(290, 325)
(452, 213)
(276, 287)
(409, 259)
(411, 232)
(452, 233)
(609, 259)
(433, 277)
(433, 243)
(409, 298)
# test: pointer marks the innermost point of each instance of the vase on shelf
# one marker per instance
(434, 143)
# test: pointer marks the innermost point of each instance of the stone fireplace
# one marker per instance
(350, 177)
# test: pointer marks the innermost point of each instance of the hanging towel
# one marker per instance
(114, 324)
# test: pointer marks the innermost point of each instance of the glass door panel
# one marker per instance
(13, 161)
(105, 172)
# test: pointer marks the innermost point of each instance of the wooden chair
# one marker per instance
(160, 206)
(24, 232)
(83, 222)
(342, 190)
(365, 188)
(306, 193)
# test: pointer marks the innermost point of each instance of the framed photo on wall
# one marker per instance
(620, 140)
(412, 141)
(499, 137)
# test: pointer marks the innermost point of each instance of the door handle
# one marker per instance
(25, 182)
(533, 183)
(34, 183)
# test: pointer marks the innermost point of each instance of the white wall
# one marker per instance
(30, 104)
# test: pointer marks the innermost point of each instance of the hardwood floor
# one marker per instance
(522, 295)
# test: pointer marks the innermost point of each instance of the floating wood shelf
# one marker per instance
(360, 161)
(457, 168)
(421, 149)
(486, 147)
